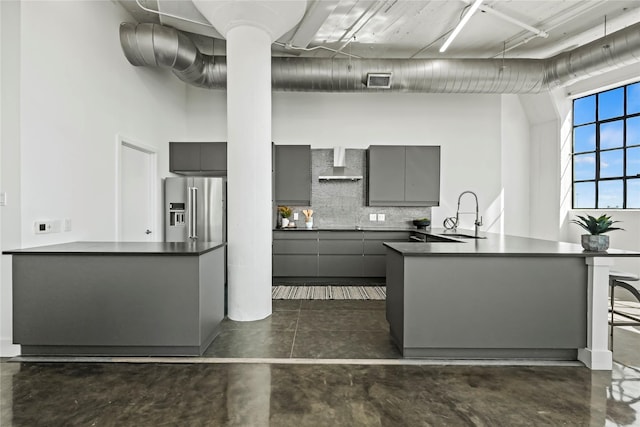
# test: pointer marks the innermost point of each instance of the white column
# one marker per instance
(596, 355)
(249, 27)
(249, 172)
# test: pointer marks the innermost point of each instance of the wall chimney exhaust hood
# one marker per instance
(339, 171)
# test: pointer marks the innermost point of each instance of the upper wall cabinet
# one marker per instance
(292, 175)
(203, 158)
(403, 175)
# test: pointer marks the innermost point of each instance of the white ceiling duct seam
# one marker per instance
(156, 45)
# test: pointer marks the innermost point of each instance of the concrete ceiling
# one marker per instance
(417, 29)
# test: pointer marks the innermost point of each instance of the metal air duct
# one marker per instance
(155, 45)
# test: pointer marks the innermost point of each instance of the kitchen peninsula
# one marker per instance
(118, 298)
(500, 297)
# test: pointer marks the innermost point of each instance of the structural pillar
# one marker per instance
(249, 27)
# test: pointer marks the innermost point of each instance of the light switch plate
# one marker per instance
(373, 217)
(381, 217)
(3, 198)
(295, 216)
(67, 224)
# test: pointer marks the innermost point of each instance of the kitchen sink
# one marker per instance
(463, 236)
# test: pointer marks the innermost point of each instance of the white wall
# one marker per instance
(77, 92)
(9, 159)
(515, 167)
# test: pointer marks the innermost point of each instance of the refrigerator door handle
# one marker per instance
(194, 199)
(190, 212)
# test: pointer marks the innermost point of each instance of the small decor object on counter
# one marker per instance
(596, 241)
(308, 219)
(285, 213)
(422, 223)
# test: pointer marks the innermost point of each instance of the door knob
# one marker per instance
(147, 232)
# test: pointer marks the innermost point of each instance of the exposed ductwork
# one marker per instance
(156, 45)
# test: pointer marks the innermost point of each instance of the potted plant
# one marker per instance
(596, 240)
(285, 213)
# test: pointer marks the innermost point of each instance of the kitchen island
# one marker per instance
(499, 297)
(118, 298)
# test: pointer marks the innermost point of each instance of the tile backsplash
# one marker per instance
(343, 203)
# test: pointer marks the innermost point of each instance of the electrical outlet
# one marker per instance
(373, 217)
(295, 216)
(381, 217)
(67, 225)
(3, 198)
(43, 227)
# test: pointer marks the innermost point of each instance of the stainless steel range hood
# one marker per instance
(339, 171)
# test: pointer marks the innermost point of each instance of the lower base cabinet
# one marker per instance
(332, 254)
(293, 265)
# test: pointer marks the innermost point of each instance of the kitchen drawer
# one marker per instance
(295, 265)
(395, 236)
(295, 235)
(336, 247)
(340, 266)
(295, 246)
(341, 235)
(374, 266)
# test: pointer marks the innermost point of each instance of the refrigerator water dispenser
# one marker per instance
(176, 215)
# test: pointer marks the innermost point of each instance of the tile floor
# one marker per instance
(280, 394)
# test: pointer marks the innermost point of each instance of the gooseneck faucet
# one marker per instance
(478, 221)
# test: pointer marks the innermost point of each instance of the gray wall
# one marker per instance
(343, 203)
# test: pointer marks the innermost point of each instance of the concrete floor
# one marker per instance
(199, 393)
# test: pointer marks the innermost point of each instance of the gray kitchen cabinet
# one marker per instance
(403, 175)
(340, 266)
(332, 254)
(204, 158)
(295, 253)
(213, 156)
(374, 259)
(386, 175)
(340, 254)
(293, 175)
(184, 156)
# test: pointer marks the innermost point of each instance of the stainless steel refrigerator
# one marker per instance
(195, 209)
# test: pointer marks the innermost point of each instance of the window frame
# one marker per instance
(597, 151)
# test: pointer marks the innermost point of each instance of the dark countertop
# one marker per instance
(500, 245)
(351, 228)
(120, 248)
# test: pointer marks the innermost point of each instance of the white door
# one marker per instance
(137, 194)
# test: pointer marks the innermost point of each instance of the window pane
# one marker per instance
(584, 195)
(584, 139)
(633, 131)
(611, 163)
(584, 166)
(633, 98)
(611, 104)
(633, 161)
(610, 194)
(611, 134)
(633, 194)
(584, 110)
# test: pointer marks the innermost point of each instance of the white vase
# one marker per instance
(285, 222)
(309, 224)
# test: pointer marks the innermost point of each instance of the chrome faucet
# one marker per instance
(478, 221)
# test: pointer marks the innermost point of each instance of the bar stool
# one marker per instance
(621, 279)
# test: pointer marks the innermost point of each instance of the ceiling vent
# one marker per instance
(379, 80)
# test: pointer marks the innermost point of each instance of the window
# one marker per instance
(606, 149)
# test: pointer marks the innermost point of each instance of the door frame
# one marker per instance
(125, 141)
